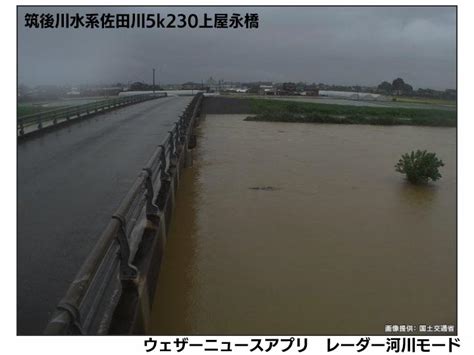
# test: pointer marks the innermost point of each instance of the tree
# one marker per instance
(139, 86)
(419, 166)
(401, 88)
(407, 89)
(398, 84)
(385, 87)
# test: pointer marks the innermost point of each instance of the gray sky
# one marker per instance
(332, 45)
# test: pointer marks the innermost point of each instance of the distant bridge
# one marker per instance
(39, 122)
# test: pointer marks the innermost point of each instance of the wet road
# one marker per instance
(69, 183)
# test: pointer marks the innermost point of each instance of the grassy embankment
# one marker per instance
(29, 109)
(427, 101)
(290, 111)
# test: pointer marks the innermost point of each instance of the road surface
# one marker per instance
(69, 184)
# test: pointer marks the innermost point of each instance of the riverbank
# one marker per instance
(427, 101)
(285, 111)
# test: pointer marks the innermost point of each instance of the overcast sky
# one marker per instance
(336, 45)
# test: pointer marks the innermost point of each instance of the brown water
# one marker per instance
(307, 229)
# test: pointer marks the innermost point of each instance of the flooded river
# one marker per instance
(288, 228)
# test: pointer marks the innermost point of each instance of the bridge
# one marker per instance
(93, 196)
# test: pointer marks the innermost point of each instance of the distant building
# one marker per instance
(192, 86)
(73, 92)
(267, 90)
(311, 90)
(349, 95)
(289, 88)
(310, 93)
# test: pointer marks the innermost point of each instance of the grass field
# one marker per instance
(30, 109)
(422, 100)
(291, 111)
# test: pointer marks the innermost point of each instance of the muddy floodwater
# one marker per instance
(288, 228)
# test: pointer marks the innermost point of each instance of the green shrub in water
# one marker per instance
(419, 166)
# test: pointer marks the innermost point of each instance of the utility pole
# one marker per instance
(153, 80)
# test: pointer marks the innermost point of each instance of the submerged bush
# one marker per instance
(419, 166)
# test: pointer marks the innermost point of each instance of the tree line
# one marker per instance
(399, 87)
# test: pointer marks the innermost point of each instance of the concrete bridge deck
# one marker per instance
(69, 183)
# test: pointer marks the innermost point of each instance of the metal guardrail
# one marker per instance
(79, 111)
(89, 303)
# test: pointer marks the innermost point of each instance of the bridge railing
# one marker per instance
(89, 303)
(53, 117)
